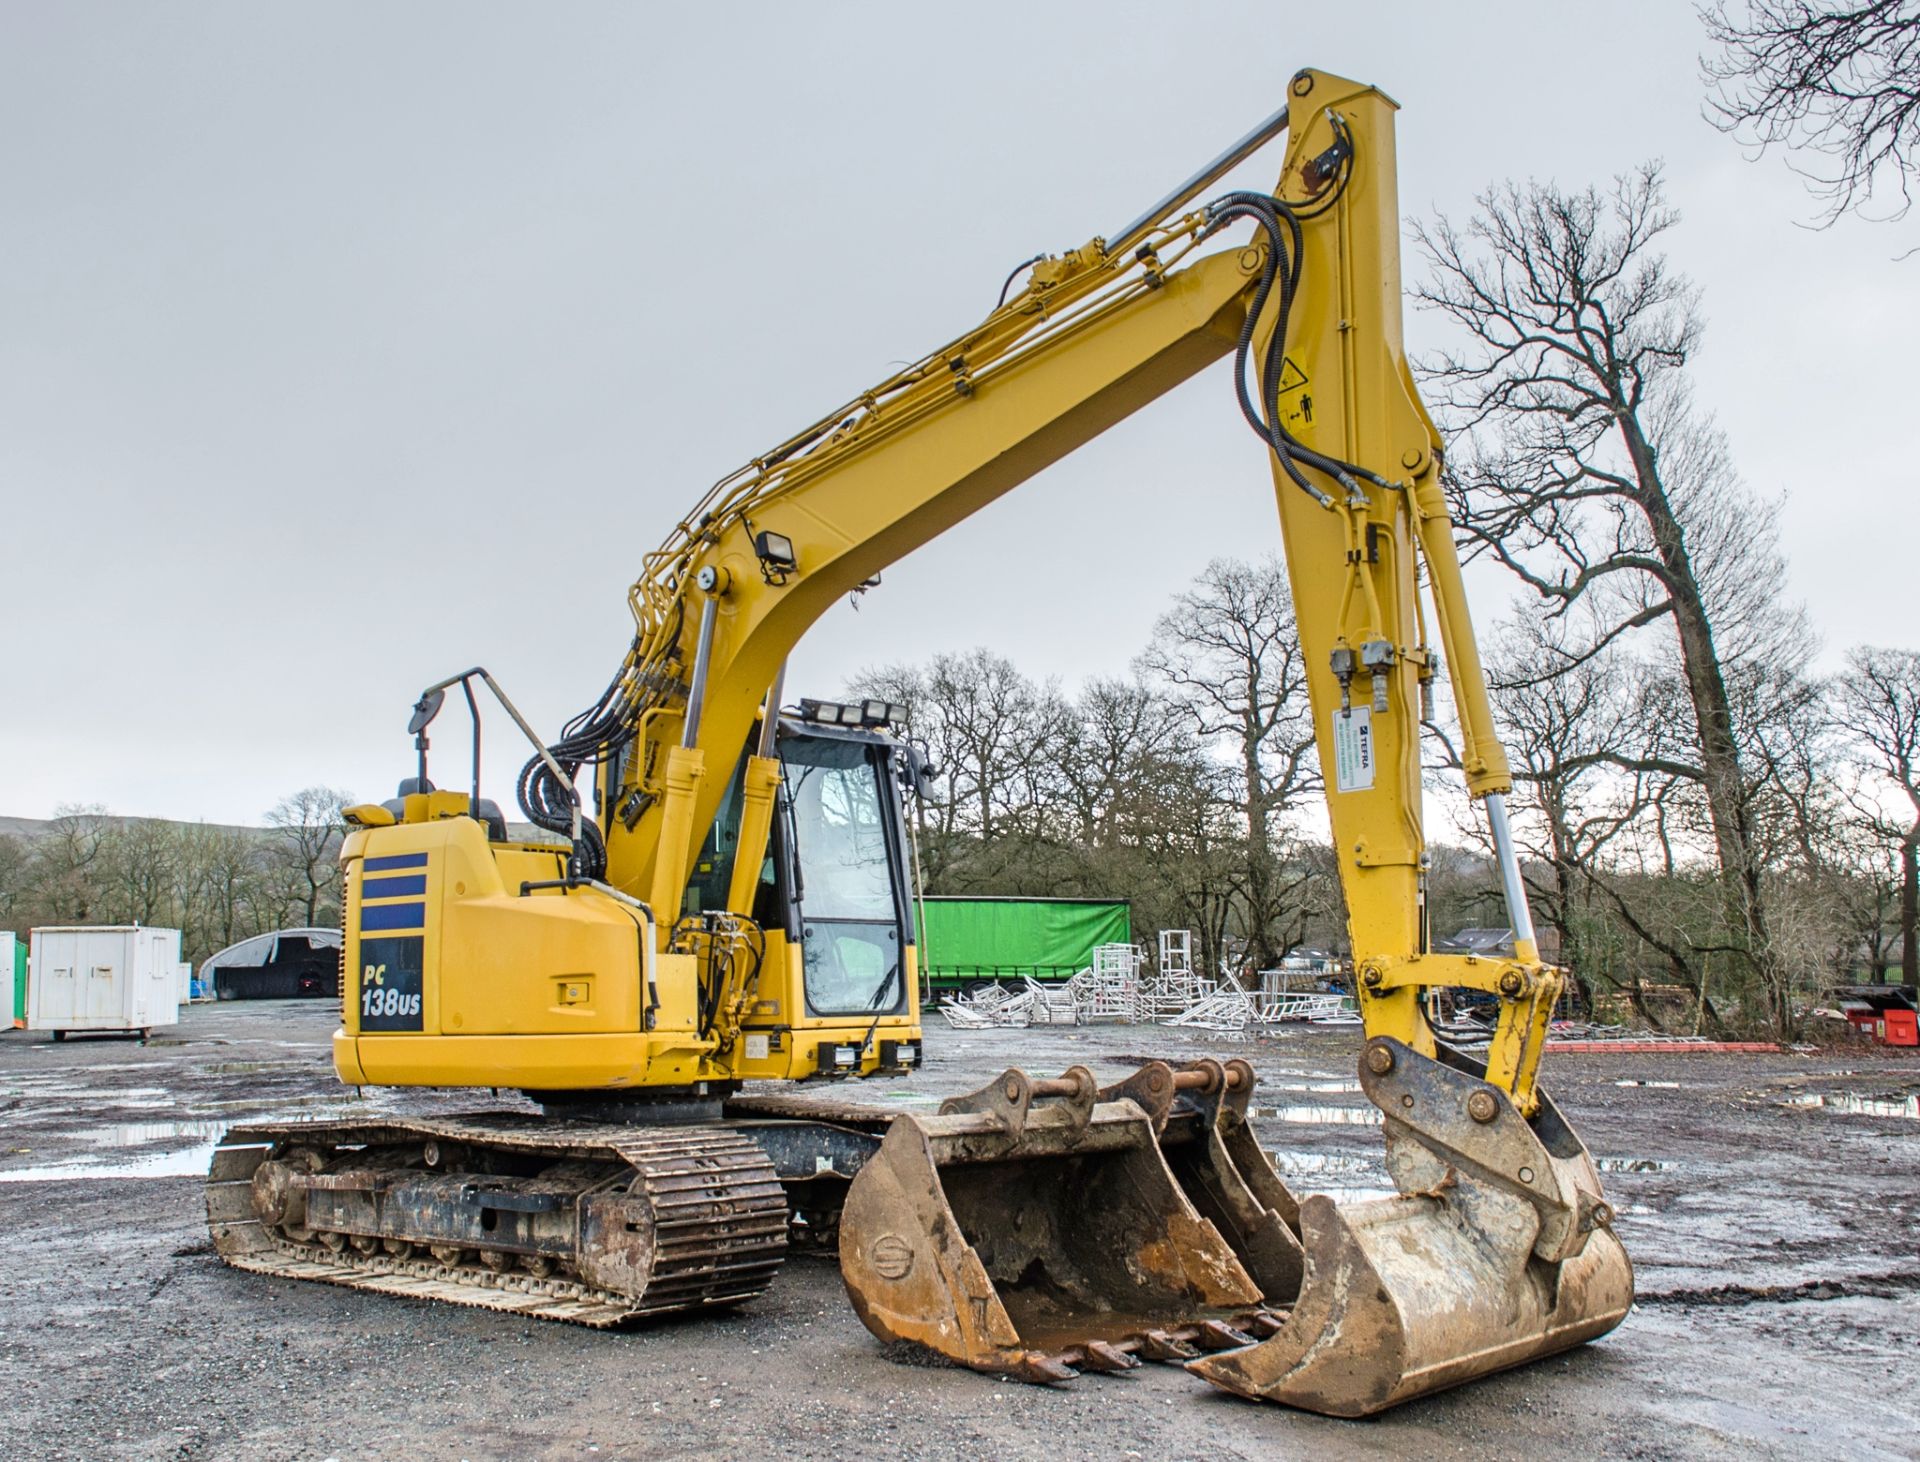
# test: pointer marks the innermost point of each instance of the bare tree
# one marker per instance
(1826, 77)
(1120, 739)
(16, 880)
(1587, 471)
(66, 859)
(139, 870)
(1229, 652)
(1879, 701)
(306, 846)
(1585, 736)
(994, 737)
(221, 871)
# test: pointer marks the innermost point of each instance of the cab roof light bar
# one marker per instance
(870, 713)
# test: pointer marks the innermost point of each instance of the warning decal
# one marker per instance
(1295, 401)
(1353, 749)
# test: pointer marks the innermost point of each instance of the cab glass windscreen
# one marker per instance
(849, 914)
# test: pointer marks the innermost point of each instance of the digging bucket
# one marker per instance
(1200, 1115)
(1033, 1229)
(1498, 1250)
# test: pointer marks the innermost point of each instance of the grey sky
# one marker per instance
(345, 345)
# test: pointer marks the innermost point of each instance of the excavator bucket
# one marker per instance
(1497, 1250)
(1032, 1228)
(1199, 1115)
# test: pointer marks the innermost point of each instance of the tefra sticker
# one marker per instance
(1353, 749)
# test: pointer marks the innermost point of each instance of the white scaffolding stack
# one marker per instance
(1116, 986)
(1108, 988)
(1052, 1004)
(1176, 986)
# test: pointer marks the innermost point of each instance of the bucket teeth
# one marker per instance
(1159, 1345)
(1037, 1369)
(1216, 1335)
(1099, 1355)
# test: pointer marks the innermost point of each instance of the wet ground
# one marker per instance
(1771, 1204)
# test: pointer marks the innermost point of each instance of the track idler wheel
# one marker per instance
(279, 1196)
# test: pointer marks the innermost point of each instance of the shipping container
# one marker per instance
(103, 978)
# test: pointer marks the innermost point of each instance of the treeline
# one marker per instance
(214, 884)
(1171, 787)
(1190, 788)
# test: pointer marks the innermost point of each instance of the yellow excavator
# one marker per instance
(731, 903)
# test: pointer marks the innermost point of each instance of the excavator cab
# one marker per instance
(834, 894)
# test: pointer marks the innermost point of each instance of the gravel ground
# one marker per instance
(1771, 1204)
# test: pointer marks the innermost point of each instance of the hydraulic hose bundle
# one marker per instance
(1280, 222)
(597, 734)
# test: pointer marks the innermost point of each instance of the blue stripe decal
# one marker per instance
(394, 916)
(393, 888)
(394, 860)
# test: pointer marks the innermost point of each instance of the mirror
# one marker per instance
(425, 709)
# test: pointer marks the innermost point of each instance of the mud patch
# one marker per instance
(1884, 1286)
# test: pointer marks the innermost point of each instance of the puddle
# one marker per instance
(1661, 1085)
(1341, 1176)
(1635, 1164)
(1321, 1114)
(1330, 1085)
(181, 1162)
(144, 1134)
(177, 1162)
(1319, 1164)
(201, 1138)
(1859, 1106)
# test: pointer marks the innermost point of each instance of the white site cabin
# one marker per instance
(103, 978)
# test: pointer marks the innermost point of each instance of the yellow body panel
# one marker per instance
(552, 990)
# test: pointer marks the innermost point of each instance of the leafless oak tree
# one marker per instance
(307, 843)
(1583, 466)
(1229, 652)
